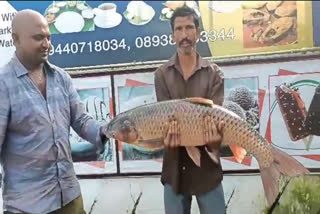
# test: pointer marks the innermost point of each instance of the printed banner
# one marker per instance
(90, 33)
(247, 27)
(250, 94)
(7, 13)
(316, 22)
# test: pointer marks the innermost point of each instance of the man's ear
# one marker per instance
(198, 32)
(172, 35)
(15, 39)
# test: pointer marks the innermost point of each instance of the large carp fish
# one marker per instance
(147, 125)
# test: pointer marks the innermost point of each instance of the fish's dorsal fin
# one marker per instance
(238, 152)
(200, 100)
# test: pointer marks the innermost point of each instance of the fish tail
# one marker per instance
(282, 164)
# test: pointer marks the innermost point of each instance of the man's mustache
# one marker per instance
(185, 40)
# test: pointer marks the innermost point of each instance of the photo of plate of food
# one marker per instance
(69, 17)
(64, 26)
(139, 13)
(170, 7)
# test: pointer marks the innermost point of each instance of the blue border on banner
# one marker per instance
(316, 22)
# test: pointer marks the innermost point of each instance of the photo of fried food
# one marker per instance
(293, 111)
(269, 23)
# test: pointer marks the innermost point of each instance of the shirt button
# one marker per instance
(184, 168)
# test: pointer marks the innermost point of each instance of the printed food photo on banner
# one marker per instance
(106, 15)
(291, 97)
(254, 27)
(139, 13)
(241, 97)
(170, 6)
(69, 17)
(269, 23)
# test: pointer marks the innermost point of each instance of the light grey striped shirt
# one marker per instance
(38, 173)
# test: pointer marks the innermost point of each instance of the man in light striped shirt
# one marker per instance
(38, 106)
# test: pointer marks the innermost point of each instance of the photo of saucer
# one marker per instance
(112, 22)
(69, 27)
(139, 13)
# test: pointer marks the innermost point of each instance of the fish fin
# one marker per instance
(151, 144)
(194, 154)
(213, 155)
(200, 100)
(282, 164)
(155, 140)
(238, 152)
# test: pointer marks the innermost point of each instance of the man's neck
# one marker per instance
(29, 66)
(187, 59)
(187, 64)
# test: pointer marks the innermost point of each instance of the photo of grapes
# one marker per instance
(269, 23)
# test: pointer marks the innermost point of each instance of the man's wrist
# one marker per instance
(103, 138)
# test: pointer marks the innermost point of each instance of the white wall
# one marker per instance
(117, 195)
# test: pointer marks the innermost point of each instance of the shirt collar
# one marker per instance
(20, 70)
(201, 63)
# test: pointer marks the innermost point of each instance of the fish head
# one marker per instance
(121, 128)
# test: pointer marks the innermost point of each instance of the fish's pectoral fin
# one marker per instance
(213, 155)
(194, 154)
(238, 152)
(150, 144)
(200, 100)
(155, 140)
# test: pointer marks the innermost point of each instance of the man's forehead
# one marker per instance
(28, 20)
(181, 19)
(34, 28)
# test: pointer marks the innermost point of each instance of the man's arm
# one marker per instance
(82, 123)
(162, 92)
(172, 139)
(4, 112)
(216, 91)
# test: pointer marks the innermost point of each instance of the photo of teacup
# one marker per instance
(107, 16)
(108, 7)
(105, 11)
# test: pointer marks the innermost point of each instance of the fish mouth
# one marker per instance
(110, 135)
(106, 131)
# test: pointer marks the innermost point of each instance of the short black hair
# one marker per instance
(182, 12)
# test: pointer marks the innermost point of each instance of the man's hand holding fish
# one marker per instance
(212, 134)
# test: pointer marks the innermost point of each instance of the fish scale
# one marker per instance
(151, 122)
